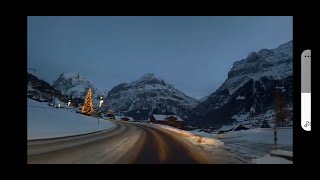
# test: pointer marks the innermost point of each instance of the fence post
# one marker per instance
(275, 138)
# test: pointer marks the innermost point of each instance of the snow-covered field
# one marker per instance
(261, 135)
(267, 159)
(276, 157)
(255, 145)
(48, 122)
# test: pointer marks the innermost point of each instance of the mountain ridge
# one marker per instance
(253, 79)
(148, 94)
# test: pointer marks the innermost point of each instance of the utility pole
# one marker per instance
(280, 114)
(53, 97)
(100, 104)
(275, 137)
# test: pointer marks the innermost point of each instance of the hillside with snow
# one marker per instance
(249, 88)
(148, 94)
(44, 122)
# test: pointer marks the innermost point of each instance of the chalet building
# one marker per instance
(123, 118)
(171, 120)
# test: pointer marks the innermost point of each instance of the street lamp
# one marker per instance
(100, 104)
(101, 101)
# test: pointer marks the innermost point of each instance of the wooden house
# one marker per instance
(171, 120)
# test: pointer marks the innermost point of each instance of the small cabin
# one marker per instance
(123, 118)
(226, 128)
(265, 124)
(171, 120)
(241, 127)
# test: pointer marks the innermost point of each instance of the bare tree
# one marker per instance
(281, 114)
(280, 108)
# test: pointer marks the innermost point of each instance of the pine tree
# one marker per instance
(87, 107)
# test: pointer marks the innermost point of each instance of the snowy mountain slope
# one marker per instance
(148, 94)
(249, 85)
(76, 86)
(38, 88)
(274, 64)
(203, 99)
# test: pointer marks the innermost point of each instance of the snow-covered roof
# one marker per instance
(130, 118)
(161, 117)
(244, 125)
(118, 117)
(178, 118)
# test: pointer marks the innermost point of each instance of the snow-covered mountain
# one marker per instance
(249, 85)
(273, 64)
(39, 89)
(148, 94)
(76, 86)
(42, 91)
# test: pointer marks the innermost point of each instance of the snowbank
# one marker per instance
(203, 134)
(48, 122)
(282, 153)
(271, 160)
(193, 137)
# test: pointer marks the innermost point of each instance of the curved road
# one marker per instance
(127, 143)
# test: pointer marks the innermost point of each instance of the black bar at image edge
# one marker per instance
(302, 36)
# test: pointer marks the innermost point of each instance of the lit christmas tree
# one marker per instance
(87, 107)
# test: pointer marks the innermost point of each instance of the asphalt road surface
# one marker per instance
(127, 143)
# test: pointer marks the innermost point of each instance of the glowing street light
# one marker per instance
(101, 101)
(100, 104)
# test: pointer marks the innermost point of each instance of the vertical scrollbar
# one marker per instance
(306, 90)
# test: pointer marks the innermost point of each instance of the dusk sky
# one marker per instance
(192, 53)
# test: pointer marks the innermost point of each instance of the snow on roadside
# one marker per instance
(282, 153)
(203, 134)
(255, 143)
(258, 142)
(48, 122)
(196, 139)
(267, 159)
